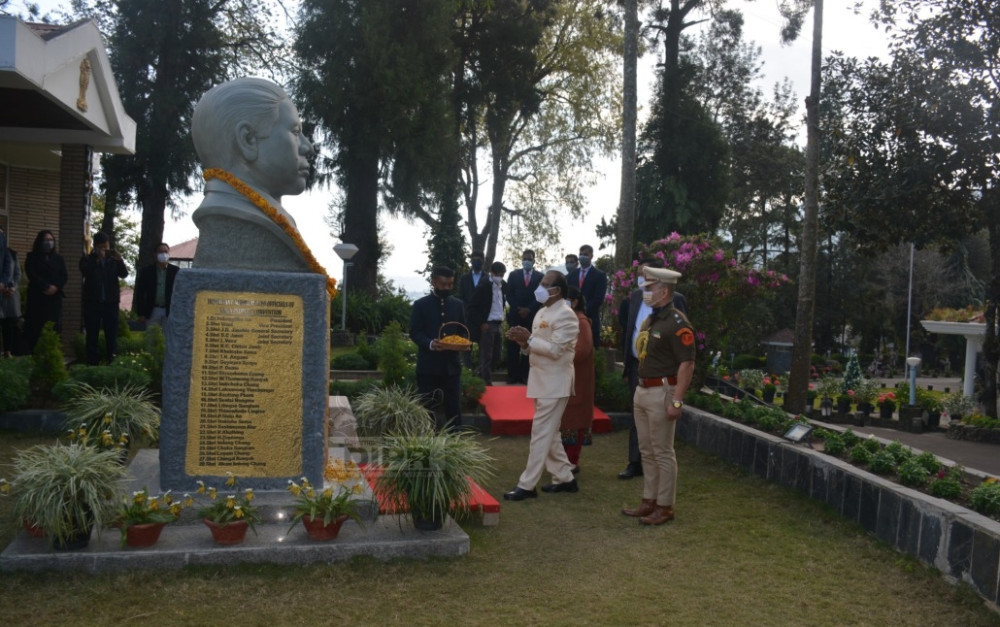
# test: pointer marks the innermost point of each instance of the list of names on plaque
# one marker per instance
(245, 404)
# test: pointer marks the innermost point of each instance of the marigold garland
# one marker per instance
(261, 203)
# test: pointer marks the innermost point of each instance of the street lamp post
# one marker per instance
(913, 362)
(345, 252)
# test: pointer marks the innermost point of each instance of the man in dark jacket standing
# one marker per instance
(486, 311)
(439, 370)
(101, 270)
(521, 285)
(154, 286)
(593, 284)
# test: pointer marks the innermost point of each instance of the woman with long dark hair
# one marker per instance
(46, 271)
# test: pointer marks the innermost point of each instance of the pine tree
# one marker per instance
(852, 374)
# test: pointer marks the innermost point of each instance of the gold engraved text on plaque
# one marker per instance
(245, 405)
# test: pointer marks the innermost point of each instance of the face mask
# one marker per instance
(640, 281)
(527, 264)
(497, 280)
(542, 294)
(162, 257)
(442, 293)
(477, 266)
(48, 246)
(571, 267)
(649, 297)
(584, 260)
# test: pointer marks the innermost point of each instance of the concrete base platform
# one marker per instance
(189, 542)
(184, 544)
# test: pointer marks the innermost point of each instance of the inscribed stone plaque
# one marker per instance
(245, 411)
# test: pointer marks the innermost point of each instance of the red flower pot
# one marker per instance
(145, 534)
(33, 530)
(231, 533)
(318, 531)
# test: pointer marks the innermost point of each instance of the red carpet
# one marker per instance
(510, 411)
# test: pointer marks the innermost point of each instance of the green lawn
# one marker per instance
(741, 552)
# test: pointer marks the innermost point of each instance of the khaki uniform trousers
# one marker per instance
(656, 443)
(546, 450)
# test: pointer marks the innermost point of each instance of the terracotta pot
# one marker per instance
(145, 534)
(231, 533)
(320, 532)
(33, 530)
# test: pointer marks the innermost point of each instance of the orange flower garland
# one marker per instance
(261, 203)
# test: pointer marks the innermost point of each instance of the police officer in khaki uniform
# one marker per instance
(666, 349)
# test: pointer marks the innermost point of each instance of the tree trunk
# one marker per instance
(991, 345)
(798, 382)
(625, 237)
(361, 221)
(154, 204)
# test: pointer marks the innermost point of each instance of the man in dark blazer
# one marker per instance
(521, 285)
(631, 314)
(154, 286)
(593, 284)
(467, 284)
(101, 270)
(486, 312)
(439, 370)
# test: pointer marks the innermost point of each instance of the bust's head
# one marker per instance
(249, 127)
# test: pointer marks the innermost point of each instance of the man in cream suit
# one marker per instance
(550, 347)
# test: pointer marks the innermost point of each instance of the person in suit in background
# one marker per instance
(593, 284)
(154, 286)
(572, 264)
(10, 302)
(439, 370)
(631, 314)
(101, 270)
(467, 284)
(485, 315)
(521, 286)
(551, 346)
(46, 272)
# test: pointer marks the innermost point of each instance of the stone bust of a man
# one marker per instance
(250, 129)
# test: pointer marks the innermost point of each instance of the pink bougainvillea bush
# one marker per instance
(728, 302)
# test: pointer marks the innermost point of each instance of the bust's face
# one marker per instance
(282, 164)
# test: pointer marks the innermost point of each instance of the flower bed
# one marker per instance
(962, 544)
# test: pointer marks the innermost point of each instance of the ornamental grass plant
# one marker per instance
(391, 410)
(109, 416)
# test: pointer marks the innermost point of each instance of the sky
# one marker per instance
(843, 30)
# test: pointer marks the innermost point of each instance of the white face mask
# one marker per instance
(640, 281)
(497, 279)
(162, 257)
(542, 294)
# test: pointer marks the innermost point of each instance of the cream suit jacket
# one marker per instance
(550, 351)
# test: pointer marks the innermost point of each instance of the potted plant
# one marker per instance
(112, 418)
(392, 409)
(751, 379)
(66, 490)
(865, 394)
(844, 402)
(957, 405)
(230, 516)
(141, 517)
(429, 473)
(770, 388)
(322, 512)
(886, 405)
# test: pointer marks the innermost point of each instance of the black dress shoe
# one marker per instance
(569, 486)
(632, 470)
(576, 470)
(519, 494)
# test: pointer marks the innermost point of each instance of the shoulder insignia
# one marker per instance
(686, 335)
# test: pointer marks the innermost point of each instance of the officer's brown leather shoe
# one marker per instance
(645, 508)
(659, 516)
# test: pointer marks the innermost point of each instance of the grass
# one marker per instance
(741, 552)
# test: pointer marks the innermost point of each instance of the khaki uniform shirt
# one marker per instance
(664, 343)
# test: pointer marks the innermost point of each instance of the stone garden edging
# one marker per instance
(963, 545)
